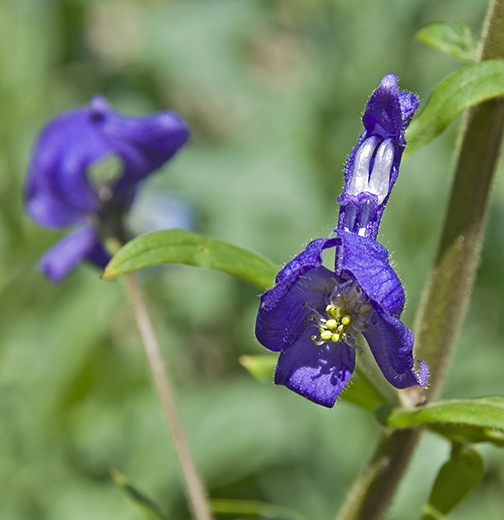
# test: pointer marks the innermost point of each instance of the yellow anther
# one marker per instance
(331, 324)
(335, 337)
(333, 311)
(326, 334)
(345, 320)
(340, 328)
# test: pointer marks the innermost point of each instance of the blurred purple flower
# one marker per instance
(313, 315)
(61, 190)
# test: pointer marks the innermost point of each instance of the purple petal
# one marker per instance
(392, 346)
(58, 190)
(144, 143)
(409, 104)
(383, 115)
(309, 258)
(283, 314)
(63, 257)
(318, 373)
(366, 261)
(386, 117)
(98, 255)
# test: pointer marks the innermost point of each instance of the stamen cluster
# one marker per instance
(344, 316)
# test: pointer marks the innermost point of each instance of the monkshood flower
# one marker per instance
(62, 190)
(313, 315)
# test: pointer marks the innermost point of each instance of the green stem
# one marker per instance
(376, 485)
(193, 485)
(449, 286)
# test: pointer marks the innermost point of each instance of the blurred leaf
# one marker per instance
(459, 91)
(359, 390)
(261, 367)
(149, 509)
(254, 508)
(179, 246)
(455, 39)
(473, 420)
(456, 479)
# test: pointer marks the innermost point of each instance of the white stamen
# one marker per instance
(380, 175)
(360, 177)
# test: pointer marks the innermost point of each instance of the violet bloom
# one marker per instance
(61, 190)
(313, 315)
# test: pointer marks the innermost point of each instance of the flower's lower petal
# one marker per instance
(366, 261)
(284, 309)
(392, 346)
(318, 373)
(62, 258)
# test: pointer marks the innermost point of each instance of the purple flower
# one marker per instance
(61, 190)
(313, 315)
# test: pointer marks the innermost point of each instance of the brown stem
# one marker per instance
(194, 488)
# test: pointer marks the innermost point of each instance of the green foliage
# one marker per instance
(462, 420)
(179, 246)
(458, 92)
(149, 509)
(254, 509)
(261, 367)
(456, 479)
(455, 39)
(272, 92)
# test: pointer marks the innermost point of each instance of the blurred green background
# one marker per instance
(273, 91)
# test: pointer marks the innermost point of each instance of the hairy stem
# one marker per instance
(449, 286)
(447, 295)
(376, 485)
(195, 491)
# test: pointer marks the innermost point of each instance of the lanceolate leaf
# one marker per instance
(456, 479)
(455, 39)
(473, 420)
(179, 246)
(149, 509)
(459, 91)
(253, 509)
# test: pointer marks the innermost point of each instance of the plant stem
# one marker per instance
(195, 491)
(376, 485)
(449, 286)
(446, 299)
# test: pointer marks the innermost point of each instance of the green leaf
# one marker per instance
(179, 246)
(456, 479)
(455, 39)
(255, 509)
(359, 390)
(464, 420)
(149, 509)
(260, 367)
(459, 91)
